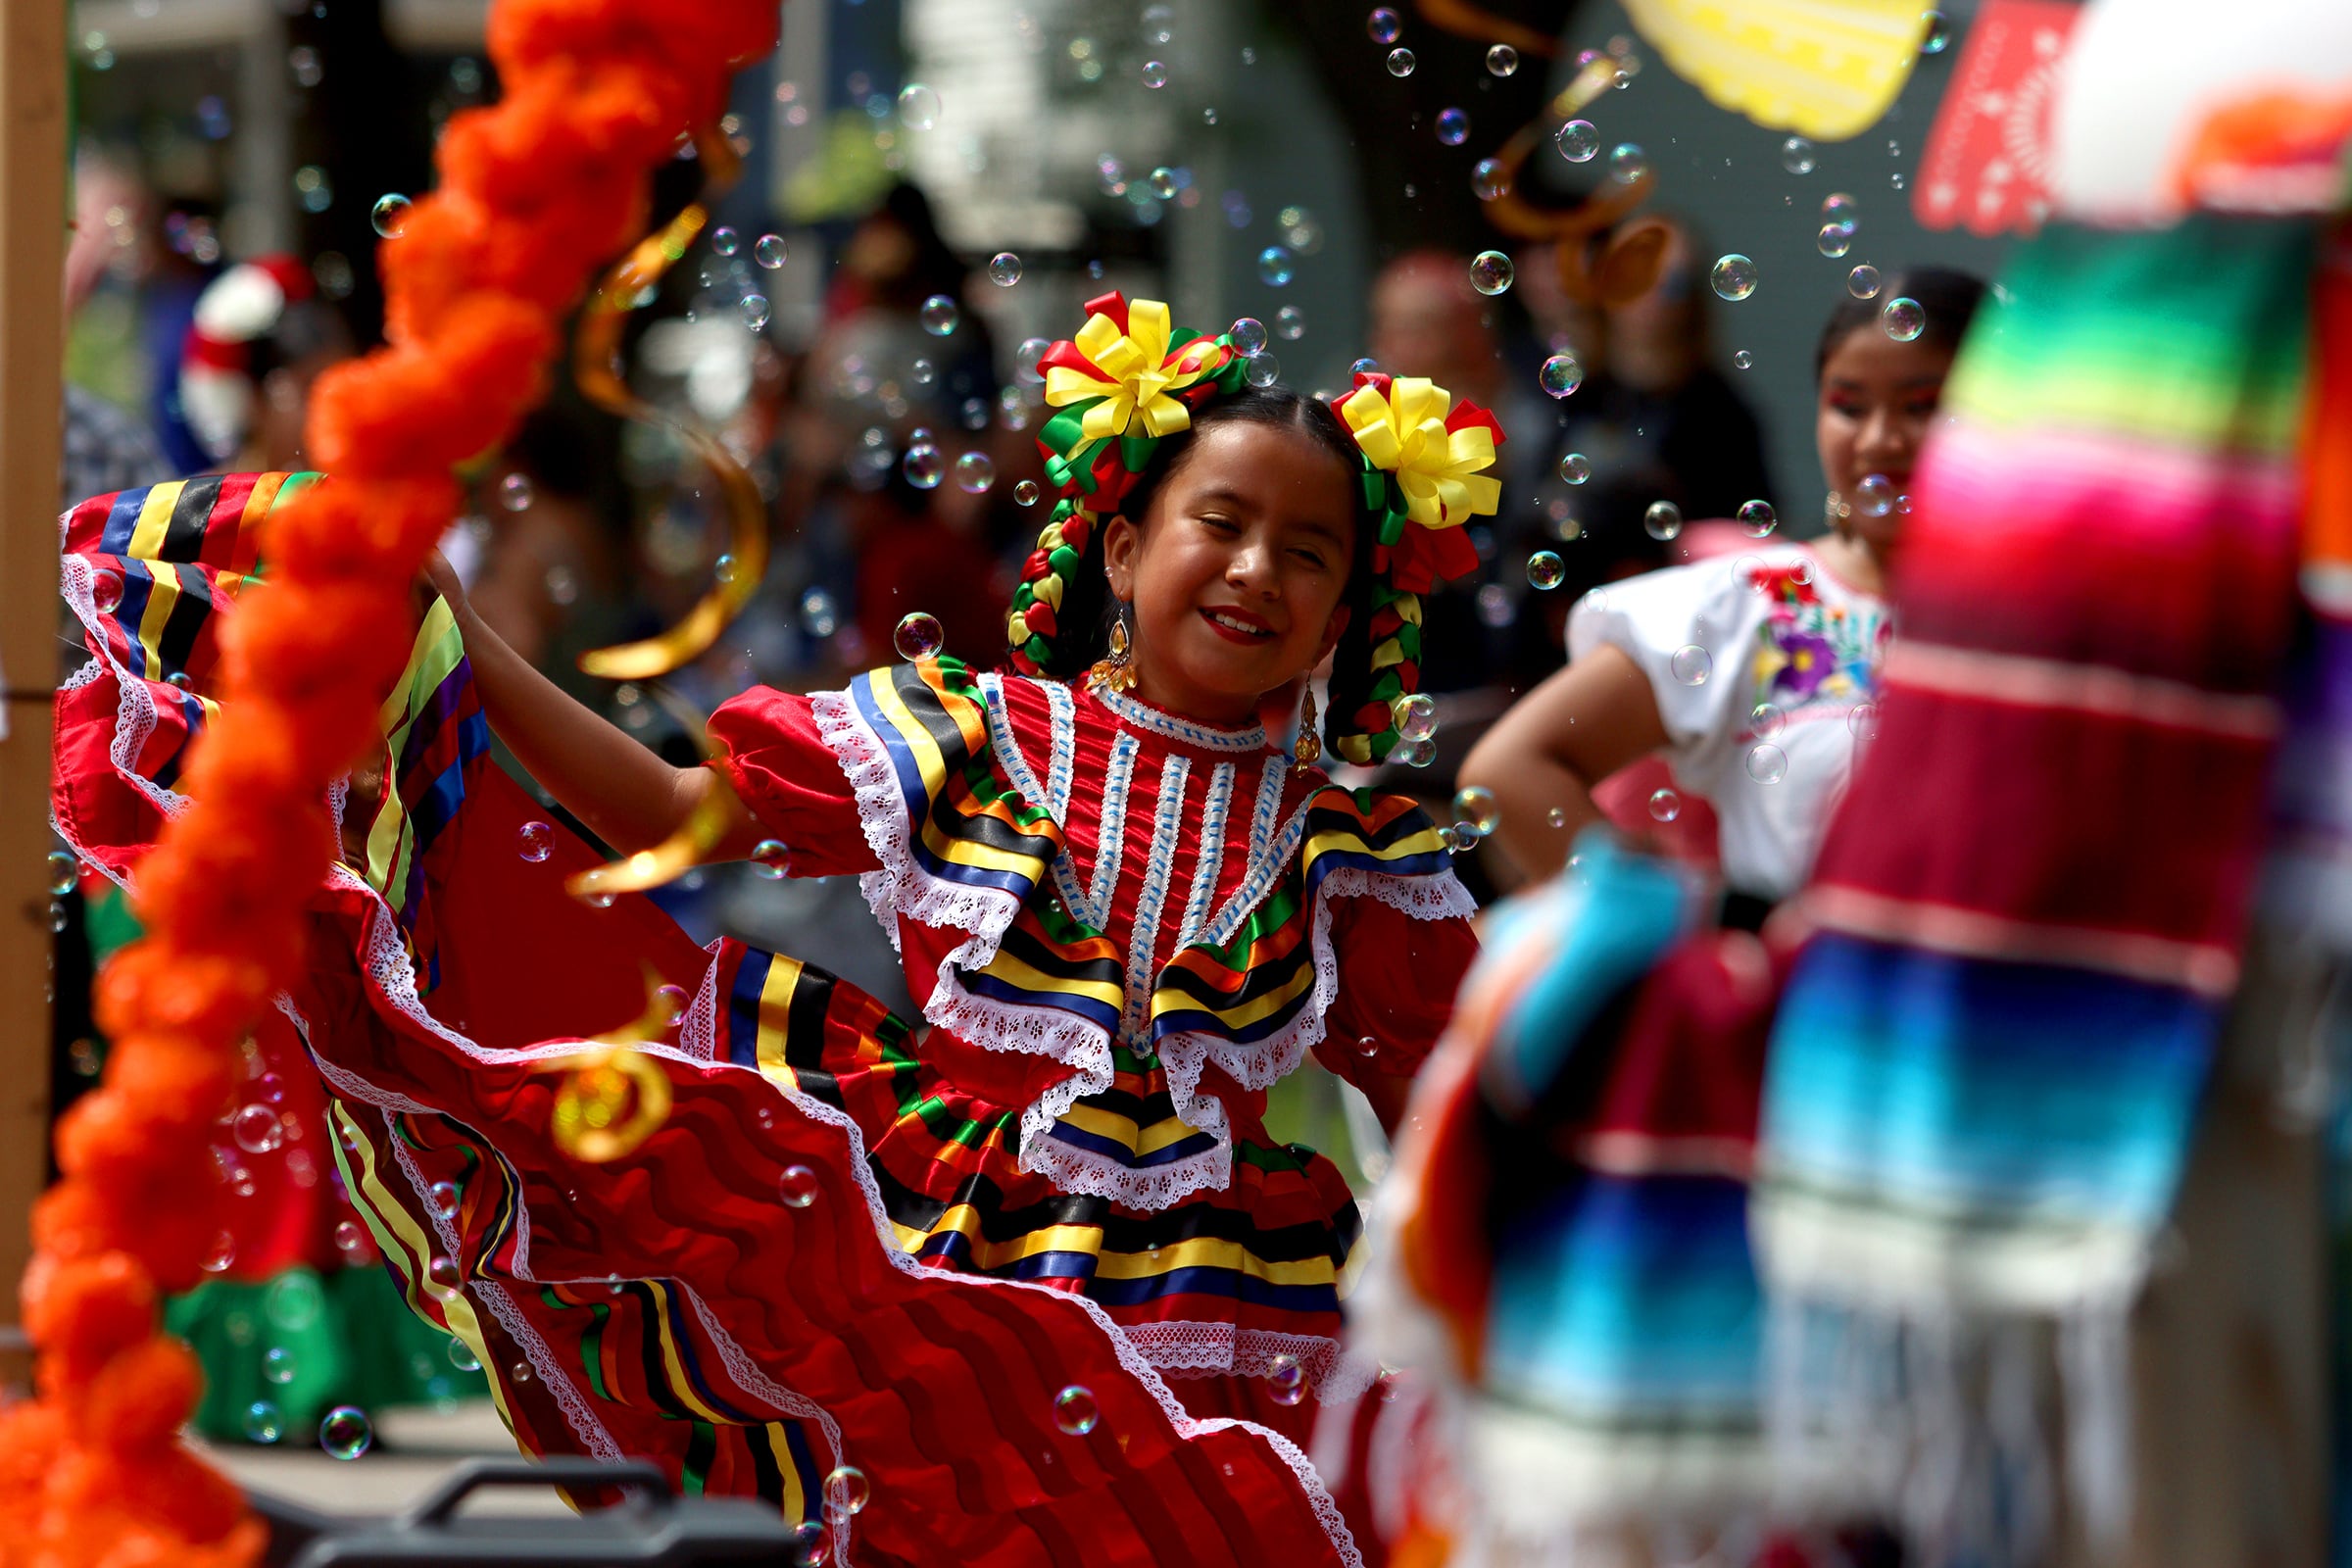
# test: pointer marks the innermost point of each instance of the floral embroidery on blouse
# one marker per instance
(1809, 653)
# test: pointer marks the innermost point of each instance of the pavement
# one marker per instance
(415, 1450)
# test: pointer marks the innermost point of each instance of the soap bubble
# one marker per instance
(1026, 493)
(1164, 183)
(1476, 806)
(1367, 366)
(444, 1196)
(976, 472)
(1576, 467)
(1903, 317)
(918, 636)
(1416, 716)
(1628, 163)
(1757, 517)
(1274, 266)
(514, 492)
(1490, 181)
(442, 1271)
(1863, 722)
(345, 1432)
(1385, 25)
(724, 241)
(797, 1187)
(848, 1491)
(278, 1365)
(1767, 764)
(1834, 240)
(1025, 359)
(64, 872)
(350, 1236)
(1873, 497)
(1248, 335)
(1863, 282)
(1155, 74)
(1261, 369)
(1936, 32)
(811, 1545)
(1416, 754)
(1290, 324)
(1663, 519)
(768, 251)
(1838, 206)
(1545, 571)
(263, 1422)
(220, 1254)
(1454, 126)
(1742, 359)
(918, 107)
(923, 466)
(1665, 805)
(1561, 374)
(1490, 272)
(1501, 60)
(1796, 156)
(939, 315)
(257, 1130)
(1005, 270)
(1075, 1410)
(534, 841)
(1691, 664)
(389, 216)
(1400, 62)
(1765, 720)
(1734, 276)
(1578, 140)
(771, 858)
(1287, 1378)
(461, 1355)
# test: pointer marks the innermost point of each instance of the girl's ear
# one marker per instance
(1333, 632)
(1121, 542)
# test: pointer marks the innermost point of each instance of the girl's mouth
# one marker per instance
(1238, 625)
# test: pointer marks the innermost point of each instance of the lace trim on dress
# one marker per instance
(1329, 1371)
(1176, 727)
(135, 708)
(900, 887)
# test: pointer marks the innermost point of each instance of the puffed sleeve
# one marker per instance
(791, 781)
(1398, 973)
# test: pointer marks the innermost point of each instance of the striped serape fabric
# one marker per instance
(2028, 914)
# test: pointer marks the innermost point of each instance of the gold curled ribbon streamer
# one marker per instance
(680, 853)
(612, 1096)
(596, 365)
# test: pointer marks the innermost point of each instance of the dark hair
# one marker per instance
(1086, 599)
(1948, 296)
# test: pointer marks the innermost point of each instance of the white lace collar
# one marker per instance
(1176, 727)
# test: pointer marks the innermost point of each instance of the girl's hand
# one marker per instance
(439, 576)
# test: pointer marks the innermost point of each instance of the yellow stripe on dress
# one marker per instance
(1011, 970)
(673, 1368)
(401, 1239)
(796, 1496)
(775, 1020)
(1127, 1131)
(437, 650)
(931, 763)
(162, 595)
(155, 515)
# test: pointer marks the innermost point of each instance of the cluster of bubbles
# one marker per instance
(1476, 816)
(1838, 217)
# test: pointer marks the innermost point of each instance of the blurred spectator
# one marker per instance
(106, 448)
(258, 340)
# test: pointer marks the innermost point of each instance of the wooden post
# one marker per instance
(32, 233)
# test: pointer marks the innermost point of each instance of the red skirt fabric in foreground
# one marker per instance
(725, 1298)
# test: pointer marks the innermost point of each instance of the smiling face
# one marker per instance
(1878, 400)
(1238, 569)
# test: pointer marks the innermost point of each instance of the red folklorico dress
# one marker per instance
(1032, 1265)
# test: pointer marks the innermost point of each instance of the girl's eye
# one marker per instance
(1309, 557)
(1221, 524)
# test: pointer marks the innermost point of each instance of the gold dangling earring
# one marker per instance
(1308, 748)
(1115, 672)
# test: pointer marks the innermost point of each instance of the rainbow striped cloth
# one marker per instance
(2028, 914)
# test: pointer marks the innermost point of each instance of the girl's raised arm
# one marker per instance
(1555, 744)
(624, 792)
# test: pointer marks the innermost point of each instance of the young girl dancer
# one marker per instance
(1129, 915)
(1754, 672)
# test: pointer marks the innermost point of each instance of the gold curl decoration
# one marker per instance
(700, 834)
(597, 367)
(613, 1096)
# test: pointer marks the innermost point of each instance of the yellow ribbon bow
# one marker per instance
(1437, 470)
(1141, 375)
